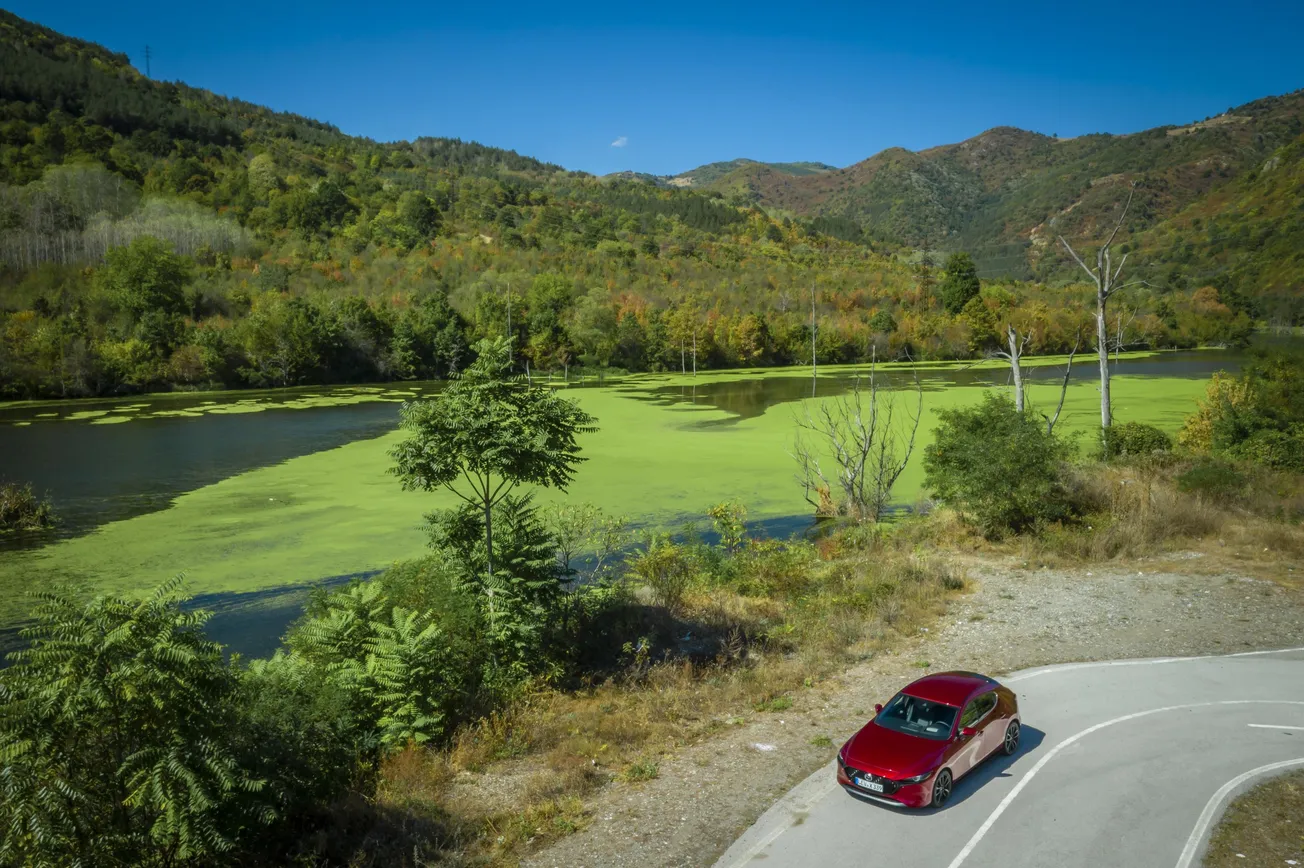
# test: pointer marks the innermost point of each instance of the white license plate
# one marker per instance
(869, 785)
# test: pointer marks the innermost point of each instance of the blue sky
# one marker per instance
(680, 84)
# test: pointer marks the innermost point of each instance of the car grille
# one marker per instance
(889, 786)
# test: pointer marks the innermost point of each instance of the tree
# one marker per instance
(866, 447)
(960, 283)
(146, 275)
(998, 466)
(488, 432)
(117, 732)
(417, 217)
(1015, 344)
(1106, 279)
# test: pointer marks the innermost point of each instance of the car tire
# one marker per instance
(1011, 744)
(942, 786)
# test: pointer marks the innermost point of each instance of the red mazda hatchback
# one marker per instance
(929, 736)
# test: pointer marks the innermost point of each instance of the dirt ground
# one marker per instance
(710, 792)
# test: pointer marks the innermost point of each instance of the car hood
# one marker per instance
(891, 753)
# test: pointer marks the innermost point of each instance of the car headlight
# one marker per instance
(917, 779)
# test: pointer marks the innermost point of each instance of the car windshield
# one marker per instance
(915, 716)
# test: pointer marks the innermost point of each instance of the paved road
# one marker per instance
(1122, 764)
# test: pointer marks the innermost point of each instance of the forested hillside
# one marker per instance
(1006, 194)
(154, 235)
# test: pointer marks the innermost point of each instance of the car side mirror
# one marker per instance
(967, 732)
(878, 707)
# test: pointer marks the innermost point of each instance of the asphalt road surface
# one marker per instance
(1127, 763)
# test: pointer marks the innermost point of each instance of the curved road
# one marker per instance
(1125, 763)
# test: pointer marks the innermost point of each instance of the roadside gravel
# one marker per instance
(709, 792)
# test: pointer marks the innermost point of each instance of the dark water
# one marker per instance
(747, 398)
(100, 473)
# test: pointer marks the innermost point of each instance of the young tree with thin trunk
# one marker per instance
(1064, 388)
(488, 432)
(1106, 278)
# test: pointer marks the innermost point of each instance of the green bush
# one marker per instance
(998, 467)
(1256, 416)
(667, 568)
(1212, 477)
(1135, 439)
(121, 739)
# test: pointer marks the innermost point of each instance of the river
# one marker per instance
(259, 495)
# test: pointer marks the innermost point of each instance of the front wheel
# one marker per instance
(942, 788)
(1011, 745)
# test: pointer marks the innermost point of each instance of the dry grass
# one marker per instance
(1263, 827)
(518, 778)
(1134, 512)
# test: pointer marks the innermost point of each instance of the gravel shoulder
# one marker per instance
(710, 792)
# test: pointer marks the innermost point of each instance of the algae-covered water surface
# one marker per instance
(254, 496)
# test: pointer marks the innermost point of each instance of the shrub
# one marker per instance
(1257, 416)
(1213, 477)
(998, 467)
(729, 521)
(120, 735)
(404, 677)
(667, 568)
(20, 509)
(1135, 439)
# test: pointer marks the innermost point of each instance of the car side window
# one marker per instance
(976, 710)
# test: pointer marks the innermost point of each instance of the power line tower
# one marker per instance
(147, 56)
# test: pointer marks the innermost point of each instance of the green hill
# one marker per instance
(1005, 195)
(154, 235)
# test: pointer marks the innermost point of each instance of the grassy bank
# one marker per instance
(750, 636)
(1261, 827)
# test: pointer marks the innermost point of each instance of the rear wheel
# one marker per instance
(1011, 745)
(942, 788)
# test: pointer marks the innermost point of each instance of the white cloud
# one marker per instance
(620, 142)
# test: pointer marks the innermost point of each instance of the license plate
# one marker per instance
(869, 785)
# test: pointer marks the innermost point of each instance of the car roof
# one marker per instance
(951, 688)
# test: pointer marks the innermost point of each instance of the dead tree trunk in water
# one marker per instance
(1014, 355)
(1105, 276)
(814, 367)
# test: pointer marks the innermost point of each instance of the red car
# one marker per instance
(929, 736)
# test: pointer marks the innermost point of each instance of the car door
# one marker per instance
(989, 726)
(970, 750)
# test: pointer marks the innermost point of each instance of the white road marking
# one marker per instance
(1271, 726)
(1065, 667)
(1214, 807)
(821, 784)
(1023, 782)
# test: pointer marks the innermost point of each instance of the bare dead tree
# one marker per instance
(1120, 330)
(1016, 344)
(1106, 278)
(869, 449)
(814, 371)
(1064, 387)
